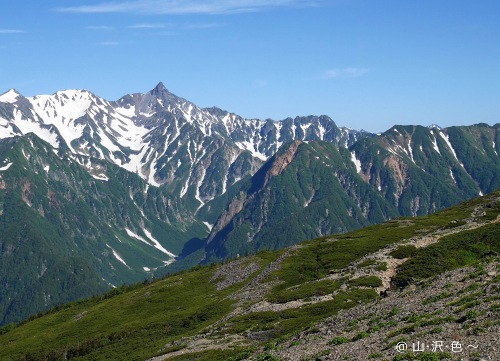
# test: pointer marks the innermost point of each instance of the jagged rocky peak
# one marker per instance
(166, 98)
(156, 100)
(159, 89)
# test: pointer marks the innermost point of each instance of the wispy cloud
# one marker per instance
(345, 73)
(164, 33)
(149, 26)
(204, 25)
(186, 6)
(99, 27)
(11, 31)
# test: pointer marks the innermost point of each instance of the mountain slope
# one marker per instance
(306, 190)
(62, 228)
(289, 304)
(311, 189)
(122, 189)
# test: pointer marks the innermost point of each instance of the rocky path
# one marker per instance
(251, 298)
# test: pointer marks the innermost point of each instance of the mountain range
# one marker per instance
(97, 193)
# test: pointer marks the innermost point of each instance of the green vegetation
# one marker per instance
(382, 266)
(59, 230)
(152, 318)
(361, 336)
(404, 251)
(339, 340)
(288, 322)
(451, 252)
(100, 329)
(236, 354)
(438, 297)
(304, 291)
(368, 262)
(366, 281)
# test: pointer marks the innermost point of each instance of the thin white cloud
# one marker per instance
(204, 25)
(99, 27)
(164, 33)
(11, 31)
(186, 6)
(345, 73)
(148, 26)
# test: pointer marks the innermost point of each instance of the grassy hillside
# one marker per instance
(259, 307)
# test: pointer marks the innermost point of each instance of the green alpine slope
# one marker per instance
(267, 305)
(65, 235)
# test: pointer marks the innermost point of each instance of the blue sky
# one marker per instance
(369, 64)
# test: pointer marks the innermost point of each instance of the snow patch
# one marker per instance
(127, 112)
(304, 128)
(136, 236)
(117, 256)
(101, 177)
(151, 178)
(452, 177)
(27, 157)
(322, 132)
(251, 148)
(109, 284)
(356, 162)
(309, 200)
(446, 138)
(169, 262)
(186, 186)
(434, 143)
(26, 126)
(9, 97)
(6, 130)
(411, 151)
(5, 167)
(208, 225)
(197, 191)
(61, 110)
(157, 244)
(278, 126)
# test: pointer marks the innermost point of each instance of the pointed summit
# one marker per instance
(165, 97)
(10, 96)
(160, 88)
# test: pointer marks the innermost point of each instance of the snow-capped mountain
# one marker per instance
(95, 193)
(165, 139)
